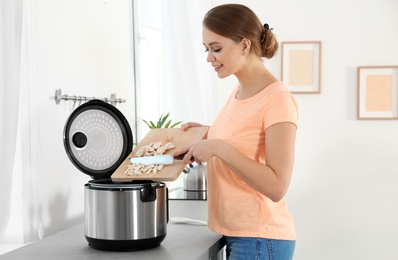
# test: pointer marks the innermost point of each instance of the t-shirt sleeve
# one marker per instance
(282, 107)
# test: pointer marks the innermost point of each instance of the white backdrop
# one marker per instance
(10, 53)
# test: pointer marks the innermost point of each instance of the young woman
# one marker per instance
(249, 149)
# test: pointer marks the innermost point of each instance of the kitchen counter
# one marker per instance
(183, 241)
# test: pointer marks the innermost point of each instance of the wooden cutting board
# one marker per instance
(176, 136)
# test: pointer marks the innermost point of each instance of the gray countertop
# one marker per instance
(183, 241)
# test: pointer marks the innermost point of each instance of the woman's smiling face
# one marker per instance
(225, 55)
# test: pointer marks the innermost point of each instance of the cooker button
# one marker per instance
(79, 139)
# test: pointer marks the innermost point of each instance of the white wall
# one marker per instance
(344, 192)
(83, 48)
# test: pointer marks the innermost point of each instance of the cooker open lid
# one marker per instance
(97, 138)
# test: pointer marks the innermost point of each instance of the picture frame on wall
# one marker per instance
(301, 66)
(378, 92)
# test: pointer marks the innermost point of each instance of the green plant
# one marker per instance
(162, 122)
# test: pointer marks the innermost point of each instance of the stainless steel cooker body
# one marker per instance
(125, 216)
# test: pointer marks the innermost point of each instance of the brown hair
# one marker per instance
(235, 21)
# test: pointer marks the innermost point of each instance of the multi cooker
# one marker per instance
(117, 215)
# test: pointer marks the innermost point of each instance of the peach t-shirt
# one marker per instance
(235, 208)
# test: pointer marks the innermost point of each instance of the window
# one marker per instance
(148, 63)
(172, 74)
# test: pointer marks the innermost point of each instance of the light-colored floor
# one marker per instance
(5, 248)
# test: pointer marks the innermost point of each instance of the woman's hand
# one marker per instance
(187, 125)
(199, 152)
(199, 156)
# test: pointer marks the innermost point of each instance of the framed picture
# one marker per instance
(301, 66)
(378, 92)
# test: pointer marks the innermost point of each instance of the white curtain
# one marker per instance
(10, 53)
(187, 77)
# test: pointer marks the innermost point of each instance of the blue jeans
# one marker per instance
(251, 248)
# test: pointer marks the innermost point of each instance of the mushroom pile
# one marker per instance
(154, 148)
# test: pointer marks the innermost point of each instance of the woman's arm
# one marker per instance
(271, 179)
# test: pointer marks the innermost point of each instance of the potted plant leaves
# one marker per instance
(163, 122)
